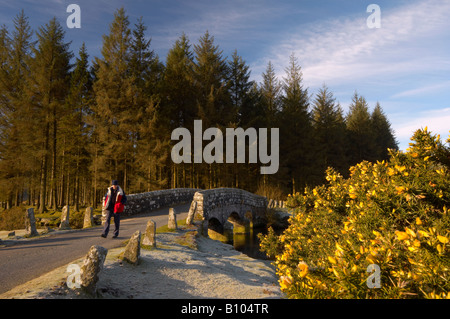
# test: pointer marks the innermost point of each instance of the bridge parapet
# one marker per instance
(143, 202)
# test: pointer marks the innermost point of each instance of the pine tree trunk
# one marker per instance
(149, 175)
(63, 169)
(77, 182)
(53, 177)
(43, 183)
(94, 202)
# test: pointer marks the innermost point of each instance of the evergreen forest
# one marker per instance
(70, 123)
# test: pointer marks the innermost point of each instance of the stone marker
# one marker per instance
(90, 270)
(103, 212)
(133, 249)
(30, 223)
(65, 218)
(88, 217)
(172, 224)
(150, 234)
(191, 213)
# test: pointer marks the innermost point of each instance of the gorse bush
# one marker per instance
(393, 214)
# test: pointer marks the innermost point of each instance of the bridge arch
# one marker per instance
(228, 205)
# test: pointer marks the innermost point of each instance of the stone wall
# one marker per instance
(144, 202)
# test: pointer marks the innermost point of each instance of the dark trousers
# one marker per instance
(109, 214)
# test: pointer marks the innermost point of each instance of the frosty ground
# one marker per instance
(183, 265)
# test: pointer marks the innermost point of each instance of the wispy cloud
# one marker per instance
(436, 120)
(435, 87)
(345, 50)
(404, 64)
(235, 24)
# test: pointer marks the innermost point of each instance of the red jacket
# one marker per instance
(120, 200)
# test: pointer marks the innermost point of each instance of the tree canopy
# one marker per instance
(69, 125)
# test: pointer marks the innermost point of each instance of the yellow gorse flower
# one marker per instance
(286, 281)
(332, 260)
(401, 235)
(443, 239)
(410, 232)
(303, 268)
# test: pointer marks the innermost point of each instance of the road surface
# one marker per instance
(29, 259)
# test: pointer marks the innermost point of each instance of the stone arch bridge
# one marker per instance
(220, 208)
(217, 209)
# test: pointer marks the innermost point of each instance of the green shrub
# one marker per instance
(13, 218)
(76, 219)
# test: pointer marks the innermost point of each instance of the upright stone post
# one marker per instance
(30, 223)
(90, 270)
(103, 212)
(65, 218)
(150, 234)
(88, 217)
(191, 213)
(172, 224)
(133, 249)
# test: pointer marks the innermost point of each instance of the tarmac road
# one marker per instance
(29, 259)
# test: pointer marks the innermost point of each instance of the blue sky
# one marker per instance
(404, 64)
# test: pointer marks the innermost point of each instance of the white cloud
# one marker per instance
(436, 120)
(424, 90)
(230, 22)
(345, 50)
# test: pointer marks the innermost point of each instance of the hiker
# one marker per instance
(115, 200)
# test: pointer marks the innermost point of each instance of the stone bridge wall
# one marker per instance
(219, 203)
(143, 202)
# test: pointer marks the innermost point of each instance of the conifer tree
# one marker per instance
(17, 163)
(74, 138)
(178, 107)
(6, 118)
(383, 134)
(270, 90)
(359, 131)
(211, 75)
(179, 95)
(241, 89)
(213, 100)
(115, 100)
(295, 129)
(329, 132)
(47, 88)
(147, 72)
